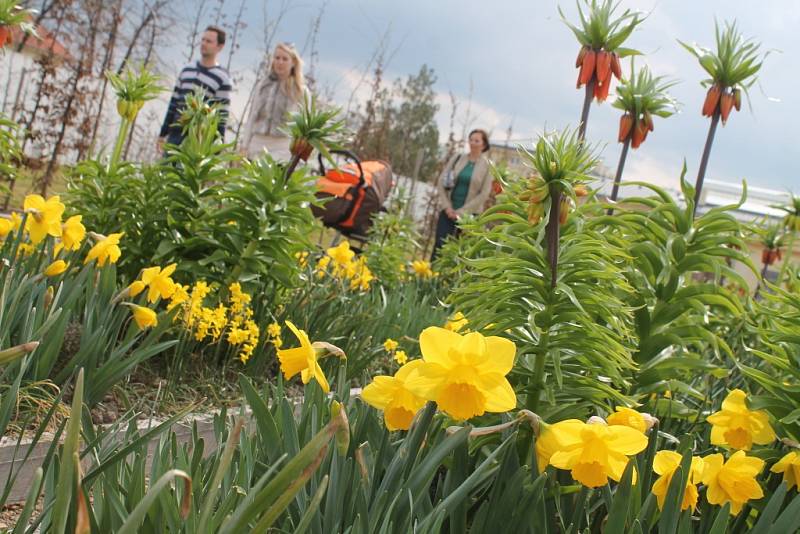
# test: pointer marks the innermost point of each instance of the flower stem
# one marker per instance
(701, 172)
(237, 271)
(292, 166)
(552, 233)
(121, 136)
(587, 104)
(620, 167)
(538, 374)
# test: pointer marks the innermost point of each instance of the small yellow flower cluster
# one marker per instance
(302, 259)
(242, 329)
(464, 374)
(340, 263)
(422, 269)
(233, 322)
(391, 346)
(599, 449)
(274, 333)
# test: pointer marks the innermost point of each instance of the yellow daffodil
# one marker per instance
(422, 268)
(457, 322)
(44, 217)
(555, 437)
(302, 259)
(401, 357)
(73, 232)
(594, 453)
(25, 249)
(465, 375)
(144, 317)
(6, 226)
(389, 393)
(738, 427)
(665, 463)
(136, 287)
(302, 359)
(56, 268)
(789, 465)
(159, 282)
(105, 250)
(390, 345)
(341, 254)
(733, 481)
(627, 417)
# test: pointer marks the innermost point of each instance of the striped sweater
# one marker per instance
(215, 82)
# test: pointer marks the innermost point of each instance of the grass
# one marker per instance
(27, 183)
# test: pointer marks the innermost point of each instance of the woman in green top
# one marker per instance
(463, 187)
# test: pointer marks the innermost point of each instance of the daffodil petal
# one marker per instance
(435, 344)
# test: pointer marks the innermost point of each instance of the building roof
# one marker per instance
(39, 44)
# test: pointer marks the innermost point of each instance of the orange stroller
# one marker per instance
(355, 191)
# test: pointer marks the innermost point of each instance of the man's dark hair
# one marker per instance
(220, 33)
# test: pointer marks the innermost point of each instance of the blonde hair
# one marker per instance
(295, 84)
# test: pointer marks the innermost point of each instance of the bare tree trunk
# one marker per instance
(263, 65)
(41, 14)
(45, 64)
(109, 55)
(138, 32)
(194, 32)
(312, 39)
(234, 42)
(86, 60)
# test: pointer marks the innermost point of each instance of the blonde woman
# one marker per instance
(279, 93)
(463, 187)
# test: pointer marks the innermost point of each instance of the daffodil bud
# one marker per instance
(48, 297)
(343, 431)
(649, 420)
(9, 355)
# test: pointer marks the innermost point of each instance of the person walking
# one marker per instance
(279, 93)
(463, 187)
(206, 74)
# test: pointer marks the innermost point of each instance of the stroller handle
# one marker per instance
(350, 156)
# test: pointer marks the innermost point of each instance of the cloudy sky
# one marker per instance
(518, 58)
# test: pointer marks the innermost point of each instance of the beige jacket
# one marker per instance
(270, 109)
(480, 185)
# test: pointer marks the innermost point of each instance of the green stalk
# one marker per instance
(701, 172)
(620, 167)
(121, 137)
(788, 258)
(538, 374)
(553, 234)
(237, 271)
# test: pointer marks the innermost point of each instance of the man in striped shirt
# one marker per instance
(205, 73)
